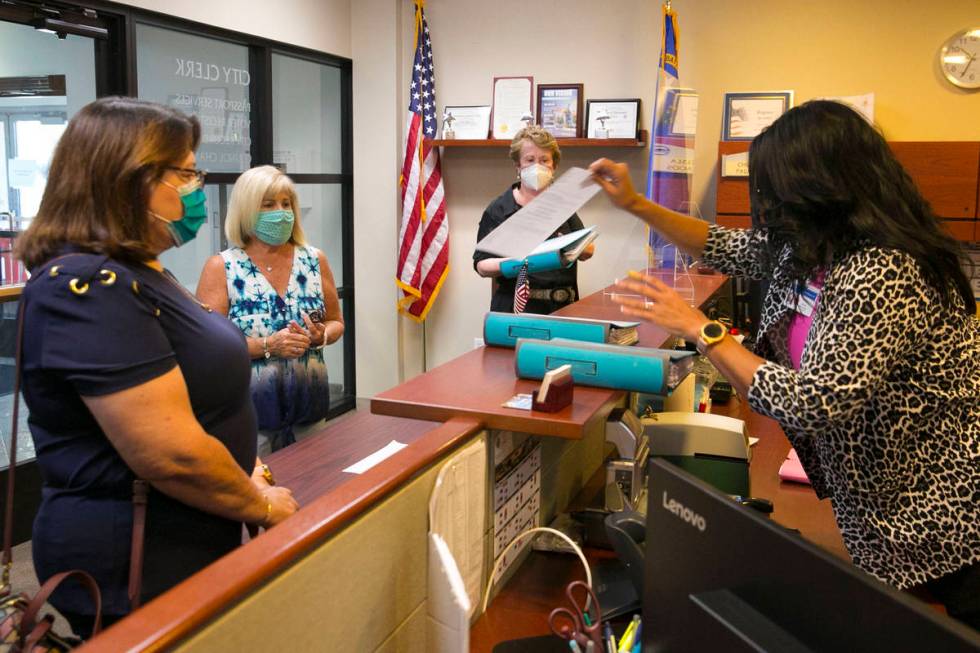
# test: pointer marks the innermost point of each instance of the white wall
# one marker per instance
(322, 25)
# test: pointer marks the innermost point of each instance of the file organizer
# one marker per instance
(638, 369)
(503, 329)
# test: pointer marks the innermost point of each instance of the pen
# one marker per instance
(626, 642)
(572, 644)
(637, 642)
(610, 638)
(590, 647)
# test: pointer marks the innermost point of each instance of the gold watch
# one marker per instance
(711, 332)
(267, 474)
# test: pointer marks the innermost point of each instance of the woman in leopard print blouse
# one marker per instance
(883, 402)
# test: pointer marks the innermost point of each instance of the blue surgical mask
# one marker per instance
(193, 199)
(274, 227)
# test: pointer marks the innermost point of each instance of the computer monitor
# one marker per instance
(722, 577)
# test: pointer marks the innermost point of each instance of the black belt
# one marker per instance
(556, 295)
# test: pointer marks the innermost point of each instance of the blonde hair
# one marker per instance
(246, 201)
(537, 135)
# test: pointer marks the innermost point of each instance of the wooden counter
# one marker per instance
(330, 499)
(476, 384)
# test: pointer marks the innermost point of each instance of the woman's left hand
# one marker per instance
(663, 306)
(317, 331)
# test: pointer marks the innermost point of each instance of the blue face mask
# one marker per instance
(274, 227)
(193, 199)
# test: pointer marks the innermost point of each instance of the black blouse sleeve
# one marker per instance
(103, 340)
(488, 222)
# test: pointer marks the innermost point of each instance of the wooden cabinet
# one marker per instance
(946, 173)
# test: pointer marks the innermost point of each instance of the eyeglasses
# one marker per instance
(188, 172)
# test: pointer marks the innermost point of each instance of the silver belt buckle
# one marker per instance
(561, 295)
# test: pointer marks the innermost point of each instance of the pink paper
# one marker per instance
(792, 470)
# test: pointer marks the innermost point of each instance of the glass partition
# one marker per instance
(306, 114)
(206, 77)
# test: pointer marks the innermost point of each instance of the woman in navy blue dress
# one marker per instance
(125, 373)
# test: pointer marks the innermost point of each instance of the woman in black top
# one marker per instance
(126, 375)
(536, 155)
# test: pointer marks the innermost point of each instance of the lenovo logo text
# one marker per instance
(685, 513)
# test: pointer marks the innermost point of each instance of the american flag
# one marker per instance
(423, 257)
(522, 291)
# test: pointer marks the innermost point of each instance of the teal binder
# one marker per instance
(553, 254)
(636, 369)
(504, 329)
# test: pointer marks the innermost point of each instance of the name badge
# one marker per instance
(808, 299)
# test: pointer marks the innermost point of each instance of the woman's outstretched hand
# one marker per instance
(614, 178)
(662, 306)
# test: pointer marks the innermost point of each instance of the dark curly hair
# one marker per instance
(825, 182)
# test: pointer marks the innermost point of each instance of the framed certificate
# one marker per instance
(560, 109)
(512, 97)
(679, 116)
(467, 122)
(747, 114)
(612, 118)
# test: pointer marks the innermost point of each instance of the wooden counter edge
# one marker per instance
(176, 614)
(533, 423)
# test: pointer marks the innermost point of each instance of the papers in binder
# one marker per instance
(532, 224)
(559, 252)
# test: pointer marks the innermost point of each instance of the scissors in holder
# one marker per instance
(577, 623)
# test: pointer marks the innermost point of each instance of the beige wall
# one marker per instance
(322, 25)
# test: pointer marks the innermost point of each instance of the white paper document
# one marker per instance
(457, 514)
(365, 464)
(533, 224)
(448, 607)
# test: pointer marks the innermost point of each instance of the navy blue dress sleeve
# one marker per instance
(105, 339)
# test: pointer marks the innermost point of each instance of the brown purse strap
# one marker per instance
(27, 620)
(140, 490)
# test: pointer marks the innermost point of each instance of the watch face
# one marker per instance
(712, 330)
(959, 59)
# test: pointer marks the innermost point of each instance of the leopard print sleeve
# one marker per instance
(737, 252)
(873, 309)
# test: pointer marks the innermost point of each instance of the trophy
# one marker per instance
(602, 116)
(527, 119)
(447, 125)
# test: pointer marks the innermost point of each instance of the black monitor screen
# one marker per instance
(722, 577)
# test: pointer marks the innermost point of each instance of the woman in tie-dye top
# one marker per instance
(280, 292)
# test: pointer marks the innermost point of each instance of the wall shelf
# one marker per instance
(562, 142)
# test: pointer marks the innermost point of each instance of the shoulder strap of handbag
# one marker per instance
(140, 488)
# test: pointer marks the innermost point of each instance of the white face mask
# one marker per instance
(536, 176)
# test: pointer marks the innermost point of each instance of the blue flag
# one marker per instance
(672, 139)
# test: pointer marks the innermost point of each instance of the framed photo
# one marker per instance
(747, 114)
(679, 116)
(560, 109)
(612, 118)
(512, 97)
(466, 122)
